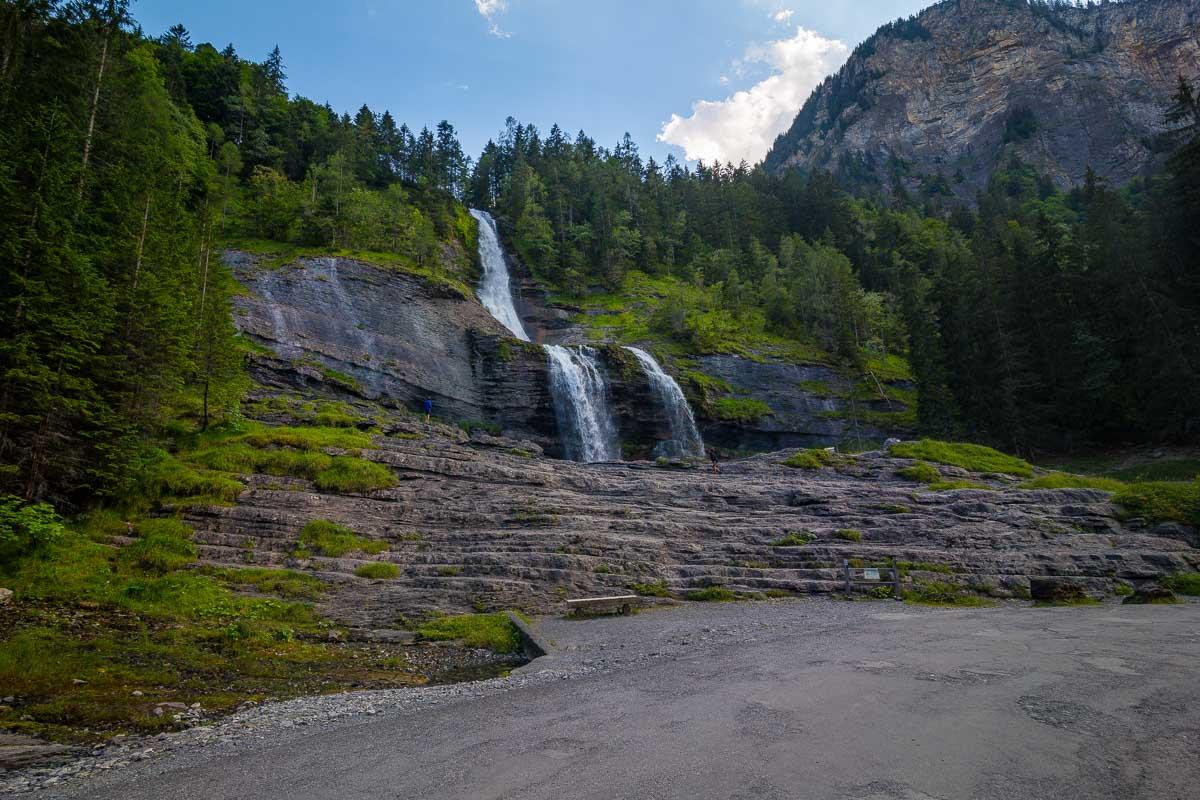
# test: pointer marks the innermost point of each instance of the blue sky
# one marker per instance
(733, 72)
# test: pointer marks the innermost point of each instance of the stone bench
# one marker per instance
(623, 604)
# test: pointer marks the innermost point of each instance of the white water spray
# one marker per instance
(495, 289)
(685, 441)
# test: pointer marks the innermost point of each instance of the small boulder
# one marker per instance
(1056, 590)
(5, 596)
(1150, 593)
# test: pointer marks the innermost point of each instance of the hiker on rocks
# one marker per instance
(428, 409)
(712, 456)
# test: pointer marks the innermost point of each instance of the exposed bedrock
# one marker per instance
(481, 525)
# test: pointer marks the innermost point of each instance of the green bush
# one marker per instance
(973, 457)
(655, 589)
(936, 593)
(920, 472)
(794, 539)
(26, 528)
(814, 458)
(378, 570)
(848, 535)
(739, 409)
(330, 539)
(1161, 501)
(489, 631)
(1183, 583)
(712, 594)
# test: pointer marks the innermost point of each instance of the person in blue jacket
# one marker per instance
(428, 408)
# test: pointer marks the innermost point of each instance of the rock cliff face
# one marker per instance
(343, 329)
(957, 90)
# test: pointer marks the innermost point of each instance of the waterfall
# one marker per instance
(495, 291)
(685, 441)
(581, 405)
(577, 386)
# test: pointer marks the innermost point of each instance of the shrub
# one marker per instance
(920, 472)
(378, 570)
(490, 631)
(814, 458)
(26, 528)
(794, 539)
(1161, 501)
(849, 535)
(972, 457)
(1183, 583)
(937, 593)
(447, 571)
(655, 589)
(739, 409)
(712, 594)
(472, 425)
(330, 539)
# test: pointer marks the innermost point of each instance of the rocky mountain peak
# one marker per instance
(936, 102)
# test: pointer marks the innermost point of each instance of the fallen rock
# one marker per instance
(1150, 593)
(5, 596)
(18, 751)
(1056, 590)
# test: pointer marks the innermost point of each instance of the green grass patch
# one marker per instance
(1169, 469)
(472, 425)
(848, 535)
(924, 566)
(920, 472)
(322, 537)
(794, 539)
(1161, 501)
(950, 486)
(486, 631)
(378, 570)
(937, 593)
(162, 546)
(712, 594)
(286, 583)
(1183, 583)
(813, 458)
(739, 409)
(349, 475)
(1065, 480)
(973, 457)
(651, 589)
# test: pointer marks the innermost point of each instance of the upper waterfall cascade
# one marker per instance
(577, 384)
(495, 289)
(685, 441)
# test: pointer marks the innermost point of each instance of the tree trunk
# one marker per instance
(137, 265)
(91, 127)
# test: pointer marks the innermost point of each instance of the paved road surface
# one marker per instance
(797, 699)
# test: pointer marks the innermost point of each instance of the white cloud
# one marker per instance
(783, 16)
(490, 9)
(745, 125)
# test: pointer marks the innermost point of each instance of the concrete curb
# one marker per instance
(531, 643)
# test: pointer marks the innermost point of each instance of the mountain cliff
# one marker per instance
(936, 102)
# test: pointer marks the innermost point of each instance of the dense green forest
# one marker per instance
(125, 162)
(1036, 320)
